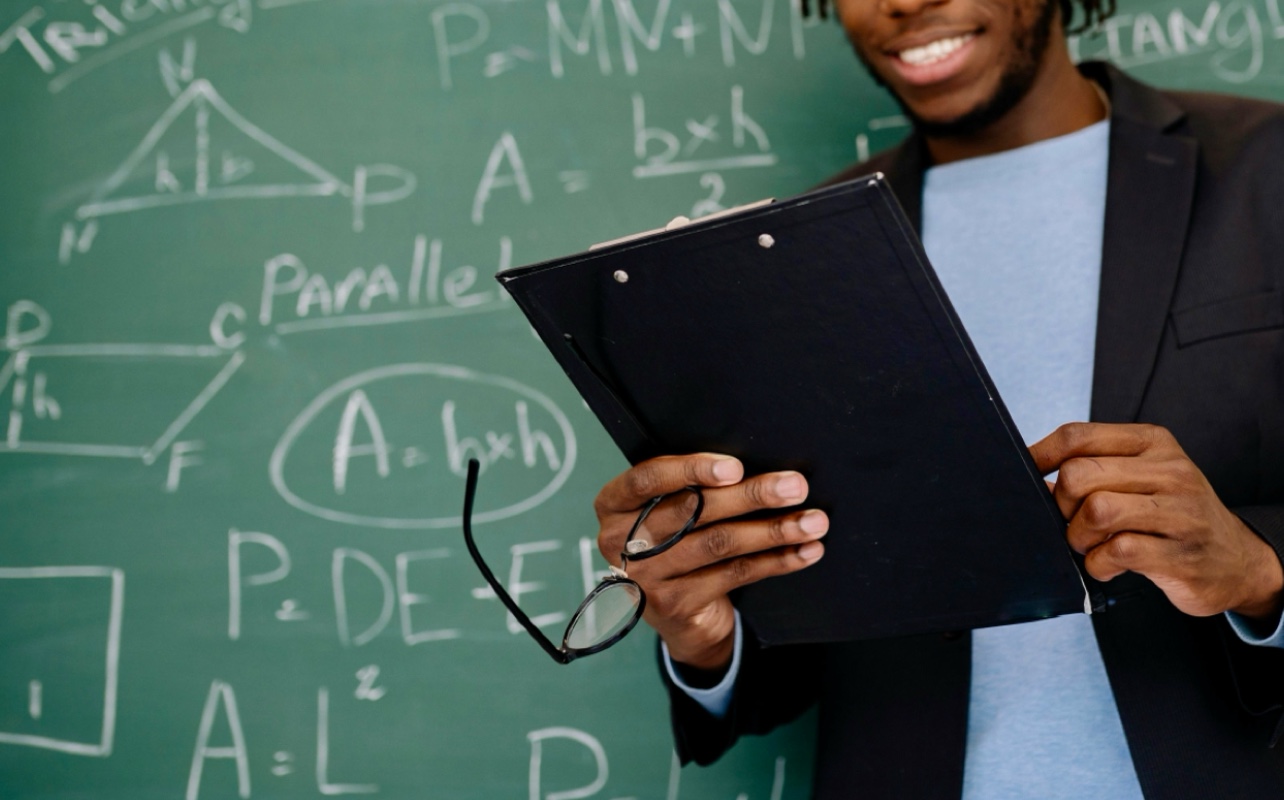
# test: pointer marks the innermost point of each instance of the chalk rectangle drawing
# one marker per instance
(35, 682)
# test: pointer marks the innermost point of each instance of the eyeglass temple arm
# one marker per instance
(470, 492)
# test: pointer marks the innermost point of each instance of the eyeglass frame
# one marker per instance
(566, 654)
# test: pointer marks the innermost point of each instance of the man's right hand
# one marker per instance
(686, 587)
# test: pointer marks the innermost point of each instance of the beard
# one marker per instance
(1029, 43)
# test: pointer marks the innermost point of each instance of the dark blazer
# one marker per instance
(1190, 335)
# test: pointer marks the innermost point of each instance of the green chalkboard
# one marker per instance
(251, 336)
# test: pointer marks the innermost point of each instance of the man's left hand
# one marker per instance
(1137, 503)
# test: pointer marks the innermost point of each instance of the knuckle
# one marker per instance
(603, 506)
(610, 541)
(1169, 483)
(1070, 479)
(755, 493)
(1097, 569)
(1079, 539)
(1098, 511)
(1156, 434)
(1188, 475)
(697, 471)
(1074, 434)
(789, 559)
(1190, 549)
(717, 542)
(687, 504)
(661, 602)
(740, 571)
(643, 481)
(1121, 549)
(778, 532)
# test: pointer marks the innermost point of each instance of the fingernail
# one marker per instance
(791, 488)
(814, 522)
(726, 469)
(812, 551)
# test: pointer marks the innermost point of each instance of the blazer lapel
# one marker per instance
(905, 176)
(1150, 188)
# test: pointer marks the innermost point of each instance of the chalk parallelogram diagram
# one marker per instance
(83, 399)
(32, 399)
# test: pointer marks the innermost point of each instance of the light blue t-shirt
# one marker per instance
(1016, 239)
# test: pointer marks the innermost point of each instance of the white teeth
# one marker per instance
(934, 51)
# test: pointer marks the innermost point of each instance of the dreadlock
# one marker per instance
(1095, 12)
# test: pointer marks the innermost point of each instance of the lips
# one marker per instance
(932, 60)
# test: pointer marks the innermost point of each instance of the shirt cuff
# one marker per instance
(715, 700)
(1252, 631)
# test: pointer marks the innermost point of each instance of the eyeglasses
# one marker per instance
(614, 606)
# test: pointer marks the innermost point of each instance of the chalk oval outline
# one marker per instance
(276, 466)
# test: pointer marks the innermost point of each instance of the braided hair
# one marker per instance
(1095, 12)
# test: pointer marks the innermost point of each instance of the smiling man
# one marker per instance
(1113, 251)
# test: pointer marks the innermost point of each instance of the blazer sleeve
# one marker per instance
(771, 689)
(1259, 671)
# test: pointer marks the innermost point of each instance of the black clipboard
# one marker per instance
(812, 334)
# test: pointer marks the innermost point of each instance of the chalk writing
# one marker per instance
(366, 688)
(601, 769)
(73, 587)
(368, 593)
(284, 763)
(517, 587)
(26, 327)
(236, 581)
(221, 170)
(504, 168)
(1232, 35)
(296, 298)
(367, 435)
(663, 152)
(220, 705)
(324, 785)
(35, 699)
(80, 39)
(220, 697)
(883, 131)
(583, 30)
(572, 749)
(400, 590)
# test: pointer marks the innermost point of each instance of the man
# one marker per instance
(1113, 251)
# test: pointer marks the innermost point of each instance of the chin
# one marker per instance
(938, 117)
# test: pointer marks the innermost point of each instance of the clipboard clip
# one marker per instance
(682, 221)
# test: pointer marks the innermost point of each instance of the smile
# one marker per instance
(934, 51)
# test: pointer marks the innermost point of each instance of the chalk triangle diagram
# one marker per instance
(203, 149)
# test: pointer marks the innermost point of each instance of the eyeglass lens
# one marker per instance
(613, 607)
